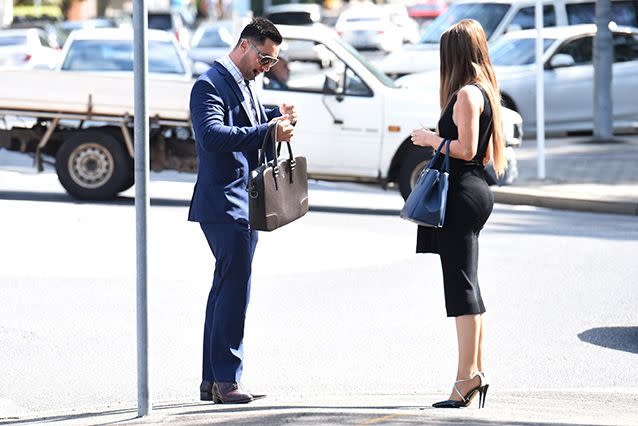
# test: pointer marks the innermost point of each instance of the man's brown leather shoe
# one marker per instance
(230, 393)
(206, 391)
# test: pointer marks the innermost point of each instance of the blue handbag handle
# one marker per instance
(446, 161)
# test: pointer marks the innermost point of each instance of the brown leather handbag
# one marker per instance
(277, 189)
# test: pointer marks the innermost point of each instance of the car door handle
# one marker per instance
(335, 120)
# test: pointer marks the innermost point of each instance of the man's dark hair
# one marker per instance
(259, 30)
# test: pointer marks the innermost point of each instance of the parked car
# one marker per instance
(408, 27)
(91, 93)
(110, 50)
(211, 41)
(357, 121)
(497, 18)
(569, 76)
(369, 27)
(424, 11)
(569, 72)
(27, 48)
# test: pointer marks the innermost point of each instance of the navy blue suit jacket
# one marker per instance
(227, 147)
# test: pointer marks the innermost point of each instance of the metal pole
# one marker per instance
(540, 91)
(141, 136)
(603, 73)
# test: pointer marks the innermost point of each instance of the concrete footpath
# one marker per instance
(576, 407)
(580, 175)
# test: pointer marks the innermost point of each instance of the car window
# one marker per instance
(623, 13)
(355, 86)
(384, 79)
(160, 21)
(516, 51)
(488, 14)
(525, 17)
(580, 49)
(112, 55)
(13, 40)
(304, 67)
(625, 47)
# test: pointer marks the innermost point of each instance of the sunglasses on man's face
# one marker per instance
(264, 60)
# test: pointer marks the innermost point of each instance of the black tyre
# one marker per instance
(411, 165)
(93, 165)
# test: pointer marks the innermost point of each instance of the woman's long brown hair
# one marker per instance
(465, 60)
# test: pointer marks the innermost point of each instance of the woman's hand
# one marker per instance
(424, 137)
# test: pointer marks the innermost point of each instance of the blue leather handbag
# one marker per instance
(426, 203)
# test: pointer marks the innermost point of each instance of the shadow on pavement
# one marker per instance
(619, 338)
(55, 197)
(268, 415)
(60, 197)
(563, 223)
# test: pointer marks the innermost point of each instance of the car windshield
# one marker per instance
(516, 51)
(488, 14)
(213, 38)
(13, 40)
(117, 55)
(387, 81)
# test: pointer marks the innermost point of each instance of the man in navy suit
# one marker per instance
(230, 125)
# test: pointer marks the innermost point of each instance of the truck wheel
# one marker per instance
(413, 162)
(92, 165)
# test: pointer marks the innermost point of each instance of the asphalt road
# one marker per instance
(341, 305)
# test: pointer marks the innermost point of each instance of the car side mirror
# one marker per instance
(561, 60)
(331, 85)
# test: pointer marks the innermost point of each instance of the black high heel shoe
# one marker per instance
(466, 399)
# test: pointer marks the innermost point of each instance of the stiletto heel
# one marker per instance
(483, 396)
(466, 399)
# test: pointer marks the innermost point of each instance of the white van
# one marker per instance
(498, 17)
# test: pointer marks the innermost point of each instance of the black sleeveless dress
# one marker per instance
(469, 204)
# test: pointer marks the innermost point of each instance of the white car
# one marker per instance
(497, 17)
(27, 48)
(369, 27)
(355, 123)
(110, 50)
(569, 77)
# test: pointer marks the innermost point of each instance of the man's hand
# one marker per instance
(290, 111)
(285, 130)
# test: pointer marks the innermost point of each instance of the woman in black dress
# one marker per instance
(470, 101)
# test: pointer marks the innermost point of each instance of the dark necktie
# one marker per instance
(252, 103)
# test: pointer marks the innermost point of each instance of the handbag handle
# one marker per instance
(446, 161)
(272, 130)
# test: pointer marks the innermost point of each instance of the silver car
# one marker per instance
(569, 76)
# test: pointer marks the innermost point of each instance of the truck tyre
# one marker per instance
(413, 162)
(92, 165)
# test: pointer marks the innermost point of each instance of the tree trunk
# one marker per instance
(603, 60)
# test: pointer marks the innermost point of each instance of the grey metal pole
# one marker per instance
(540, 91)
(140, 70)
(603, 60)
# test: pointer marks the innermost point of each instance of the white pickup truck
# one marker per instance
(354, 122)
